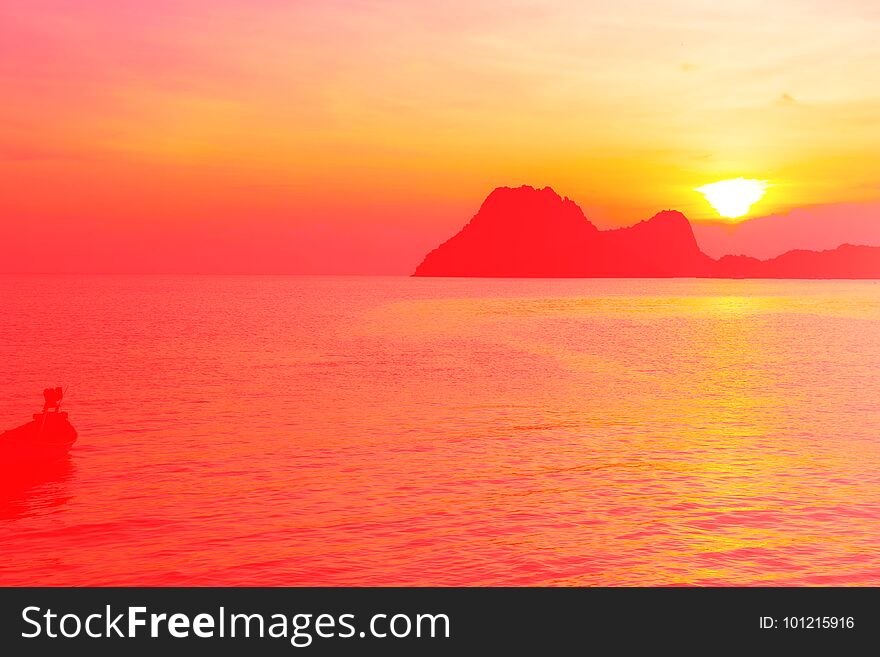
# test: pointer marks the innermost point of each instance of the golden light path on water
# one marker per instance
(408, 431)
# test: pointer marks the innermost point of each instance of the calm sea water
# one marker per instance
(371, 431)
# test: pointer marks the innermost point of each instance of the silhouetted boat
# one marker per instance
(47, 438)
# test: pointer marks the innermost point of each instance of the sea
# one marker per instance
(367, 431)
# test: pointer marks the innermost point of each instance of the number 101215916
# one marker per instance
(808, 622)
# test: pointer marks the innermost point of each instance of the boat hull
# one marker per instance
(43, 440)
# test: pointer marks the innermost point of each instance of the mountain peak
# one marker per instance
(670, 216)
(522, 190)
(518, 231)
(524, 204)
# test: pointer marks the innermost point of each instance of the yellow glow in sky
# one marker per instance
(733, 198)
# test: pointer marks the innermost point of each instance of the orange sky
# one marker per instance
(344, 136)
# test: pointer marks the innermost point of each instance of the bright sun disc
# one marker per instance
(733, 198)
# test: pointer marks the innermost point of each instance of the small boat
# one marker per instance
(46, 438)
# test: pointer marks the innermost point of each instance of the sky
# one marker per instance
(343, 136)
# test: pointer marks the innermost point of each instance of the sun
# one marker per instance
(733, 198)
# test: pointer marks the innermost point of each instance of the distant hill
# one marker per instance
(815, 228)
(535, 233)
(846, 261)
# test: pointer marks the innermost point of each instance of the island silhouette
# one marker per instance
(524, 232)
